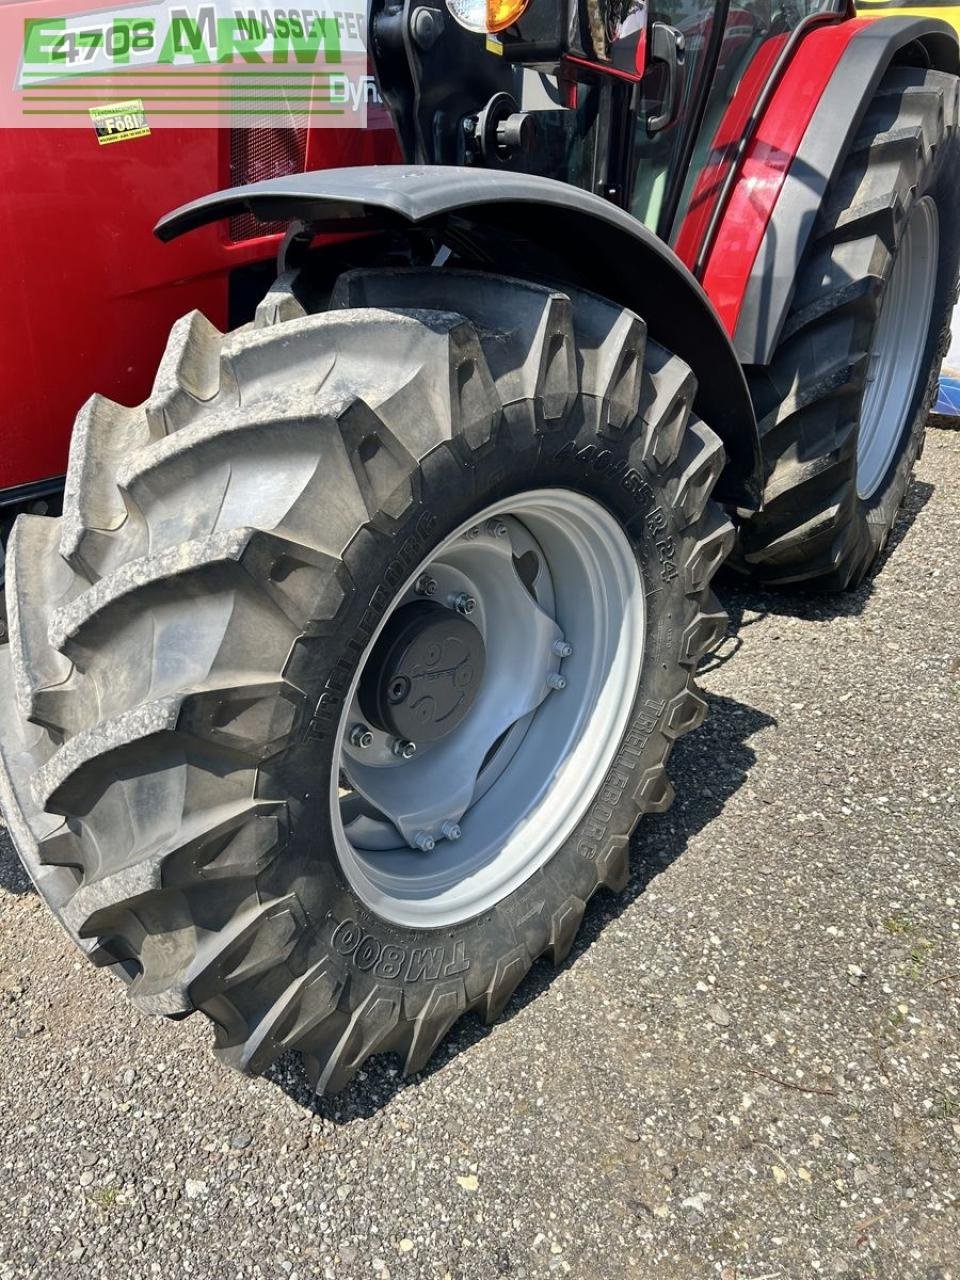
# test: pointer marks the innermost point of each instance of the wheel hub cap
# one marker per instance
(424, 673)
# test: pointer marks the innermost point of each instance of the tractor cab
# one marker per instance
(644, 104)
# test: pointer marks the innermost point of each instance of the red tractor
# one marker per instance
(361, 645)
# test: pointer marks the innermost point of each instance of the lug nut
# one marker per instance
(451, 831)
(360, 736)
(425, 585)
(562, 648)
(496, 528)
(472, 533)
(424, 842)
(463, 603)
(403, 748)
(555, 681)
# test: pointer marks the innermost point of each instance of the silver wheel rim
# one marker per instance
(899, 342)
(559, 601)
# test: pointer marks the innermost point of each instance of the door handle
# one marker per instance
(667, 45)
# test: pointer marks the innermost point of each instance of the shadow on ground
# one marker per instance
(13, 877)
(707, 768)
(747, 605)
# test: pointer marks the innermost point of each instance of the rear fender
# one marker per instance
(581, 238)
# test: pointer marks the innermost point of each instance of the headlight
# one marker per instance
(486, 15)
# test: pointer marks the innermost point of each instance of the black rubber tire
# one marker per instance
(814, 527)
(183, 630)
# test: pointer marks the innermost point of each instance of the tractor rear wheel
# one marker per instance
(358, 651)
(843, 405)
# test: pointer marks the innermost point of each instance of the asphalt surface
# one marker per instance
(748, 1069)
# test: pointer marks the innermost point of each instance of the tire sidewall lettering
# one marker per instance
(430, 959)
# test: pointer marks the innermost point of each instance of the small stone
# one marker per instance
(697, 1202)
(719, 1015)
(804, 1174)
(241, 1140)
(195, 1188)
(779, 1174)
(343, 1191)
(469, 1182)
(405, 1245)
(88, 1159)
(669, 1172)
(129, 1076)
(695, 1131)
(86, 1178)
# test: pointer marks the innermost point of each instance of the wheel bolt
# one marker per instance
(562, 648)
(472, 533)
(423, 842)
(463, 603)
(555, 681)
(425, 585)
(403, 748)
(360, 736)
(451, 831)
(496, 528)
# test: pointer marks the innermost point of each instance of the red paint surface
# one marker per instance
(602, 68)
(89, 294)
(766, 164)
(729, 133)
(640, 57)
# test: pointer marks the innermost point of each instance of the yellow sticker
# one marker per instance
(495, 46)
(118, 121)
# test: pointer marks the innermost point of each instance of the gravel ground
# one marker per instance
(749, 1067)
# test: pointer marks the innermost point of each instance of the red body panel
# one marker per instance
(732, 126)
(765, 166)
(89, 293)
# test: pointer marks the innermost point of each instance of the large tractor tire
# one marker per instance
(358, 651)
(843, 406)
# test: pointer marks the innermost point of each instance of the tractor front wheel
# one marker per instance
(358, 651)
